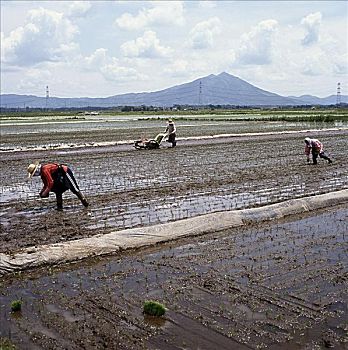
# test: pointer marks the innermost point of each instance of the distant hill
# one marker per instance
(221, 89)
(313, 100)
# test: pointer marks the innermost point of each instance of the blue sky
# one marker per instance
(104, 48)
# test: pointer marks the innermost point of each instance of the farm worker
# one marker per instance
(316, 147)
(171, 132)
(56, 178)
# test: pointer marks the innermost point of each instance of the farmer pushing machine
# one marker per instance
(149, 144)
(170, 133)
(56, 178)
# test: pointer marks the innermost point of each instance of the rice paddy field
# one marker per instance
(278, 285)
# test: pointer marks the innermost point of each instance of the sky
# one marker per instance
(106, 48)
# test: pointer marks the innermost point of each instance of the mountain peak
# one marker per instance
(224, 74)
(220, 75)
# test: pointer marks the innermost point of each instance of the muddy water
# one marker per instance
(281, 286)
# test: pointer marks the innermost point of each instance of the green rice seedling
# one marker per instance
(153, 308)
(5, 344)
(16, 305)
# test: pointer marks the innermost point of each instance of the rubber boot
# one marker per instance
(82, 199)
(328, 159)
(59, 197)
(324, 156)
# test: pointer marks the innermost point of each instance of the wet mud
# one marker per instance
(280, 285)
(131, 188)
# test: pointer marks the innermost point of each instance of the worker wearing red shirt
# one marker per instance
(56, 178)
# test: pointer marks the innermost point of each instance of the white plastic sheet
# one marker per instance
(139, 237)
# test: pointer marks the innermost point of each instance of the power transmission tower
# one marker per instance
(338, 96)
(200, 93)
(47, 96)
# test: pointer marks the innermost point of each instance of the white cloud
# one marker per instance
(206, 4)
(130, 22)
(303, 48)
(97, 59)
(162, 13)
(114, 71)
(146, 46)
(322, 53)
(78, 8)
(33, 78)
(256, 46)
(178, 68)
(340, 64)
(46, 36)
(202, 35)
(2, 51)
(311, 24)
(316, 65)
(320, 62)
(109, 67)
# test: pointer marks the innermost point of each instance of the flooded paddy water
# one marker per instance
(281, 285)
(268, 286)
(50, 132)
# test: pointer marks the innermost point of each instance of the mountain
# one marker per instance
(313, 100)
(221, 89)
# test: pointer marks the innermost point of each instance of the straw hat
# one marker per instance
(307, 140)
(32, 168)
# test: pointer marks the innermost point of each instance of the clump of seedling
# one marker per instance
(5, 344)
(16, 305)
(153, 308)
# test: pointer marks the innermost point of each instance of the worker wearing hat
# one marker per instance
(56, 178)
(316, 147)
(171, 132)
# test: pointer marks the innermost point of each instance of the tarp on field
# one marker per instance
(110, 243)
